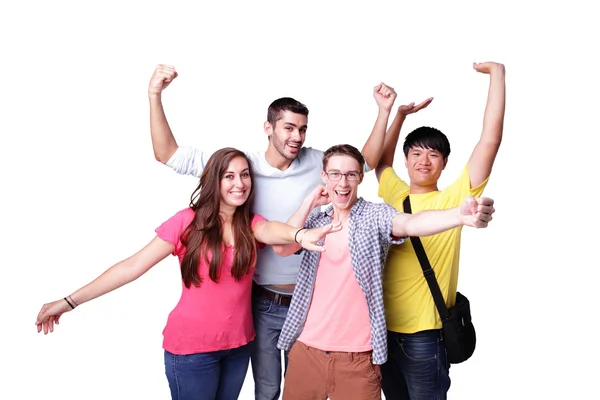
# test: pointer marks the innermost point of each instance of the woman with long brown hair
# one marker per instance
(208, 334)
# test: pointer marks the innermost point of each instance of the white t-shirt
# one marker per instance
(277, 196)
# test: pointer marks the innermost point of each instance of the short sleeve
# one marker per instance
(391, 187)
(171, 230)
(188, 161)
(255, 220)
(385, 219)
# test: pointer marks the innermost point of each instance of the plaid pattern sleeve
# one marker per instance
(370, 234)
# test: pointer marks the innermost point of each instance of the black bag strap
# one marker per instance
(427, 270)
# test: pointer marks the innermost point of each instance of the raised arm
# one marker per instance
(393, 133)
(384, 96)
(484, 154)
(163, 141)
(476, 212)
(116, 276)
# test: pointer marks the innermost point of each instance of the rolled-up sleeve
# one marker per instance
(188, 161)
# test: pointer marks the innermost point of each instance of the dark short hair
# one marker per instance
(285, 104)
(427, 138)
(343, 150)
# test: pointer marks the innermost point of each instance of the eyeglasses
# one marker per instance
(336, 176)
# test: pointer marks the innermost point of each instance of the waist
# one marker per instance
(277, 298)
(349, 355)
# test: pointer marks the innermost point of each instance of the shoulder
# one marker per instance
(256, 218)
(312, 154)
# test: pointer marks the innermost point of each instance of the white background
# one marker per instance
(81, 189)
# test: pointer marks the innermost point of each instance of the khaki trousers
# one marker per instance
(314, 374)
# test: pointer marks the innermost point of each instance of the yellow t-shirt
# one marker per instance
(409, 306)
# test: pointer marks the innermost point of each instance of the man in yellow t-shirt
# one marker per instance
(417, 367)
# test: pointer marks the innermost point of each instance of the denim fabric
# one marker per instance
(417, 368)
(266, 357)
(216, 375)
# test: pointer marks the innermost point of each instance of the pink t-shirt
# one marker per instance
(338, 318)
(214, 316)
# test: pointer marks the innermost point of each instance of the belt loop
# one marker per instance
(351, 357)
(277, 298)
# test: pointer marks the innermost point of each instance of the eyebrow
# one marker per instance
(233, 172)
(347, 172)
(294, 125)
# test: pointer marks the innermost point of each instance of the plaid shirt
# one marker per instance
(370, 235)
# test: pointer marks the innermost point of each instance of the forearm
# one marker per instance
(113, 278)
(374, 144)
(426, 223)
(493, 119)
(390, 143)
(163, 141)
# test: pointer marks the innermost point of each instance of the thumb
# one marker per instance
(325, 229)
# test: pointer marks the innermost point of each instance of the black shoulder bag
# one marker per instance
(457, 329)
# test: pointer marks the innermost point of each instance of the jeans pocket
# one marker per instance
(419, 351)
(262, 305)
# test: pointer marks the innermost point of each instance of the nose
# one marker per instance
(296, 136)
(238, 182)
(424, 160)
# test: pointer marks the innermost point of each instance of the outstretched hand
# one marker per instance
(477, 212)
(412, 108)
(310, 237)
(162, 77)
(488, 67)
(50, 315)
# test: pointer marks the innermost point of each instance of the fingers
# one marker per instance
(422, 105)
(161, 78)
(412, 108)
(314, 247)
(488, 67)
(386, 90)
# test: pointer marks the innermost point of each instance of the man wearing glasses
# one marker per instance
(335, 329)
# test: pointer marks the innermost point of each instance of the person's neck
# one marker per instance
(342, 215)
(422, 189)
(226, 213)
(276, 160)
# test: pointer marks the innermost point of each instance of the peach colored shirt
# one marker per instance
(338, 318)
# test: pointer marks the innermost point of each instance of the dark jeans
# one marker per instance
(216, 375)
(266, 357)
(416, 368)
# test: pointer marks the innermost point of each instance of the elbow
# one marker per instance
(164, 155)
(160, 158)
(283, 250)
(278, 250)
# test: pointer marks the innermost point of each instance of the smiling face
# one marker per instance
(287, 134)
(343, 193)
(424, 167)
(235, 185)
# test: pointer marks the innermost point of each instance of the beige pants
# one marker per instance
(314, 374)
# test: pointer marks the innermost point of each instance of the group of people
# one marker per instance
(280, 258)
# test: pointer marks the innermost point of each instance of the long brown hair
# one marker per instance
(204, 235)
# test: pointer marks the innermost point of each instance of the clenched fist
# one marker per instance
(162, 77)
(384, 96)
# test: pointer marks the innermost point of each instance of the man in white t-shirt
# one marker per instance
(284, 175)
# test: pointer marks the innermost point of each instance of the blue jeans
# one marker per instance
(216, 375)
(417, 368)
(266, 357)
